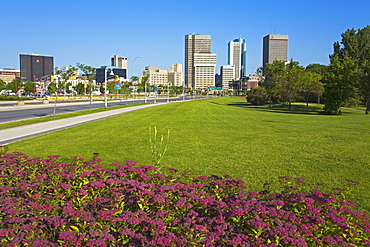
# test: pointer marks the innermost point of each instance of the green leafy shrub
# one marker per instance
(257, 96)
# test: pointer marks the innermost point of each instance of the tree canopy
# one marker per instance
(349, 71)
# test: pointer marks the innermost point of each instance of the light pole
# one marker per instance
(168, 91)
(105, 83)
(145, 93)
(132, 66)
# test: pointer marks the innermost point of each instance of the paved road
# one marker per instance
(27, 131)
(28, 111)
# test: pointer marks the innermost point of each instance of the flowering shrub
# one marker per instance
(44, 202)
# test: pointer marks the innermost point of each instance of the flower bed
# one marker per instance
(44, 202)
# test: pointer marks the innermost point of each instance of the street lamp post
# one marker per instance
(106, 85)
(168, 91)
(145, 92)
(132, 66)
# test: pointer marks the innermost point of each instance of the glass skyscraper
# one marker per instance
(237, 57)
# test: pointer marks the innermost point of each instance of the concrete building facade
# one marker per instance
(275, 46)
(9, 75)
(237, 56)
(197, 50)
(227, 75)
(159, 76)
(119, 62)
(204, 70)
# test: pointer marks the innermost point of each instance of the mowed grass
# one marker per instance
(226, 136)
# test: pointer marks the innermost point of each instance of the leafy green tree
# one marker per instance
(29, 87)
(14, 85)
(272, 74)
(126, 90)
(341, 83)
(79, 88)
(283, 81)
(257, 96)
(312, 85)
(355, 44)
(2, 85)
(317, 68)
(52, 87)
(88, 75)
(134, 78)
(291, 83)
(365, 84)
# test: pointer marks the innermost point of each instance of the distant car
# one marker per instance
(96, 93)
(11, 94)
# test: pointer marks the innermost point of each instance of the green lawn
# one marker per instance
(226, 136)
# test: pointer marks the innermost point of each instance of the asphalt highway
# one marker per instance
(16, 113)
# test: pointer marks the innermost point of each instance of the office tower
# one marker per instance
(204, 70)
(238, 57)
(120, 62)
(36, 68)
(227, 75)
(275, 46)
(198, 47)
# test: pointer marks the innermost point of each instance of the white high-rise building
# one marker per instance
(120, 62)
(238, 57)
(199, 60)
(227, 75)
(204, 70)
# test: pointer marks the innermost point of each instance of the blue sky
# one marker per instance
(91, 32)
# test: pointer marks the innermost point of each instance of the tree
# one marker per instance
(341, 83)
(134, 78)
(2, 85)
(312, 85)
(52, 87)
(283, 81)
(365, 84)
(29, 87)
(272, 74)
(79, 88)
(317, 68)
(257, 96)
(355, 44)
(89, 75)
(14, 85)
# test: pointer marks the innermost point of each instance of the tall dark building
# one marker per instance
(35, 68)
(106, 73)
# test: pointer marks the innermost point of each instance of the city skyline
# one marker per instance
(85, 32)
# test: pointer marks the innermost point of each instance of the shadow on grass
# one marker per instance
(295, 109)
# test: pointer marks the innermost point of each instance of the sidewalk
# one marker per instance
(23, 132)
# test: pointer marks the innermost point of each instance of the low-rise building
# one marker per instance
(9, 75)
(159, 76)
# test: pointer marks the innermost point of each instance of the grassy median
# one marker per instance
(227, 136)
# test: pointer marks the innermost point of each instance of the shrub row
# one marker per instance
(44, 202)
